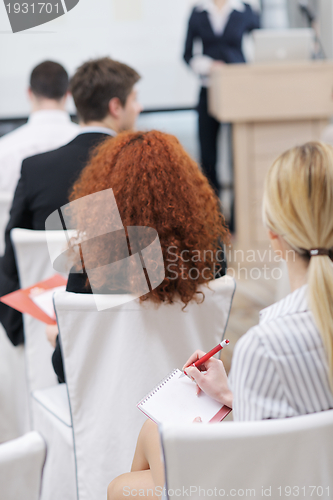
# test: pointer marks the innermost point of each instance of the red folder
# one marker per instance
(21, 301)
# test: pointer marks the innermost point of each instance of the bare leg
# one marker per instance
(147, 469)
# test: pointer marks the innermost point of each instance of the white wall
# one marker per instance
(274, 14)
(326, 26)
(324, 10)
(147, 34)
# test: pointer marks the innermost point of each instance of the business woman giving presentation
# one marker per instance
(220, 25)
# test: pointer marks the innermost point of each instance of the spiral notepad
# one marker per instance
(175, 400)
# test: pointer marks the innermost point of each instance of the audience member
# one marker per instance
(49, 125)
(157, 185)
(106, 101)
(284, 366)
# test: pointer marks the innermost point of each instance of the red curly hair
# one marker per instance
(156, 184)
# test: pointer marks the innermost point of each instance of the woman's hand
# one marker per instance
(52, 333)
(211, 378)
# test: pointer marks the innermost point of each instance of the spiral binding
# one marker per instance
(158, 387)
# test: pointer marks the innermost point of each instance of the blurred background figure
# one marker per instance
(220, 26)
(49, 125)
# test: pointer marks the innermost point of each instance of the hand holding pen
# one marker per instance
(206, 357)
(214, 380)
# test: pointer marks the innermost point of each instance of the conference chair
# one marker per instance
(14, 421)
(34, 265)
(29, 368)
(21, 466)
(53, 420)
(5, 204)
(112, 358)
(290, 457)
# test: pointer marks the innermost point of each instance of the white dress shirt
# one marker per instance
(45, 130)
(96, 130)
(280, 368)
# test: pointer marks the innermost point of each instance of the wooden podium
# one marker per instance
(273, 107)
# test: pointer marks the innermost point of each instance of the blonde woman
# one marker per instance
(284, 366)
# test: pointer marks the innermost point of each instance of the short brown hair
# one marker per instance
(98, 81)
(49, 80)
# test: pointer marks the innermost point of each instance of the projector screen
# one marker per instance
(146, 34)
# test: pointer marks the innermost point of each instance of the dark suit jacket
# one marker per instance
(44, 186)
(226, 47)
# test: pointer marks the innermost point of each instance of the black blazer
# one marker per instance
(226, 47)
(44, 186)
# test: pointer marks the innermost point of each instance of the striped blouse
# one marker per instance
(279, 368)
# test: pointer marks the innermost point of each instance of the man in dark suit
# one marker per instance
(105, 97)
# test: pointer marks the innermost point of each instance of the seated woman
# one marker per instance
(157, 185)
(284, 366)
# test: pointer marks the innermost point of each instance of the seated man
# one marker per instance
(49, 125)
(105, 98)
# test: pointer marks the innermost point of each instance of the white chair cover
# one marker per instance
(6, 199)
(274, 458)
(14, 421)
(21, 464)
(12, 380)
(34, 265)
(112, 358)
(53, 421)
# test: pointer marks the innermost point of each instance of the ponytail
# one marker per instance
(298, 205)
(320, 284)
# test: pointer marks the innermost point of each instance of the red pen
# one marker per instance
(209, 354)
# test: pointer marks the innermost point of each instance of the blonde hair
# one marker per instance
(298, 205)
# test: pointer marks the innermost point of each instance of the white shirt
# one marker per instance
(279, 368)
(45, 130)
(219, 17)
(96, 130)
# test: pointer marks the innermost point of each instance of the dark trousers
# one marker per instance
(208, 132)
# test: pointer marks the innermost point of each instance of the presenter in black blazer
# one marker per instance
(220, 26)
(105, 97)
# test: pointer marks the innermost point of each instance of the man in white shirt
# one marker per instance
(49, 125)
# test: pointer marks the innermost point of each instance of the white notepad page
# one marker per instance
(175, 400)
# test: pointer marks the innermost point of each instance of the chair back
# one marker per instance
(14, 414)
(21, 465)
(114, 357)
(6, 199)
(34, 265)
(273, 458)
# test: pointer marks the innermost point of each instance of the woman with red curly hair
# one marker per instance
(157, 185)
